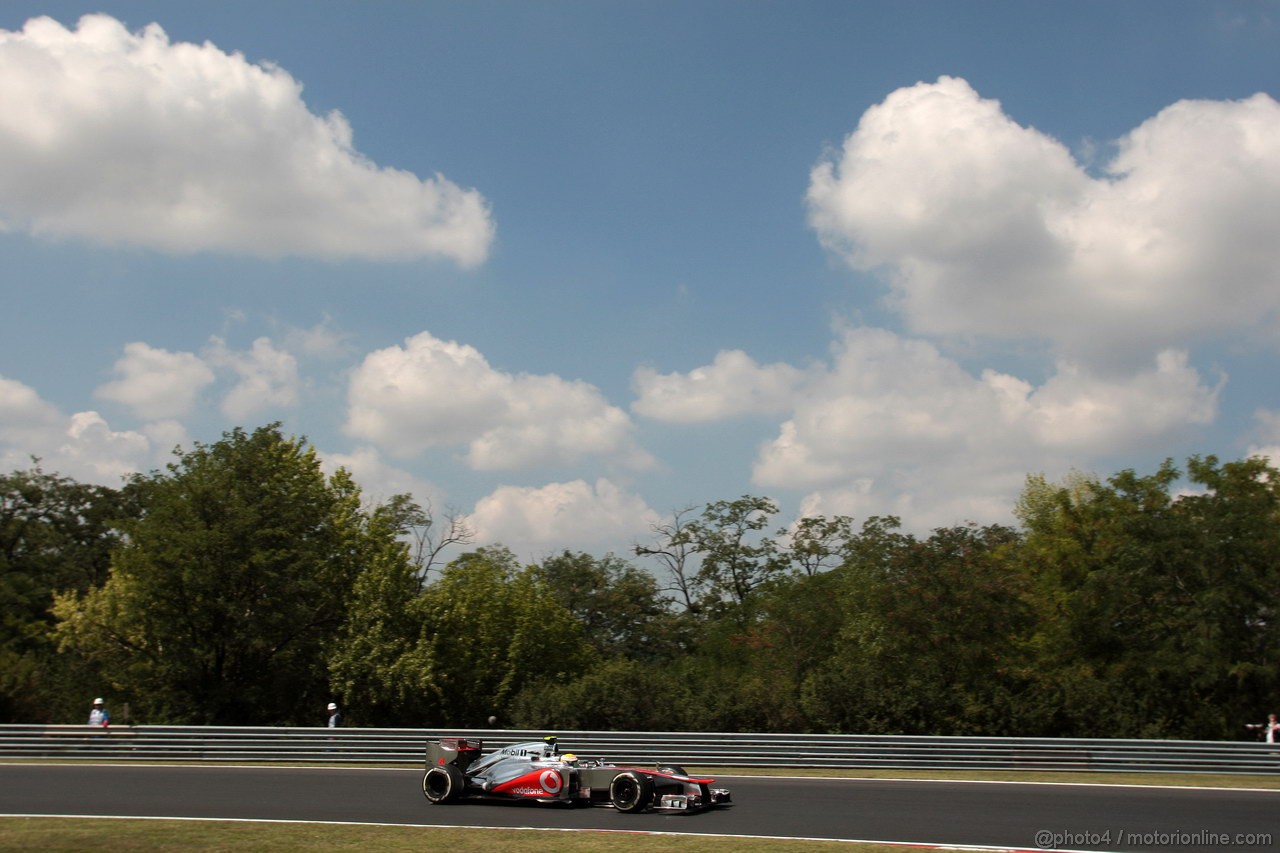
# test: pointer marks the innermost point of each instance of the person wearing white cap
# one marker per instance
(335, 716)
(99, 716)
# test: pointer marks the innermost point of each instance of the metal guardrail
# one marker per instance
(703, 749)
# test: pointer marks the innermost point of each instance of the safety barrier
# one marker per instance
(702, 749)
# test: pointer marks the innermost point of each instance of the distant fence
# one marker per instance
(701, 749)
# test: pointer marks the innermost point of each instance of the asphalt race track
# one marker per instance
(1022, 816)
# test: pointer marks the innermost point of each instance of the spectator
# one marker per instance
(1268, 731)
(99, 715)
(335, 716)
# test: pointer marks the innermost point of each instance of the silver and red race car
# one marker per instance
(538, 771)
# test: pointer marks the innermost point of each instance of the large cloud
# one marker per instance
(378, 480)
(1269, 432)
(432, 393)
(535, 522)
(81, 446)
(267, 378)
(127, 138)
(733, 384)
(990, 229)
(894, 425)
(155, 383)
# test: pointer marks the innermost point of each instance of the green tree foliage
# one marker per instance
(427, 536)
(617, 694)
(488, 627)
(373, 665)
(1158, 607)
(735, 558)
(56, 536)
(731, 676)
(243, 586)
(931, 637)
(798, 622)
(619, 607)
(633, 638)
(816, 543)
(225, 597)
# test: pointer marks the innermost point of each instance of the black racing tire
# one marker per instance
(631, 792)
(673, 769)
(443, 784)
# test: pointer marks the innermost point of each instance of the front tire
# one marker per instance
(443, 784)
(631, 792)
(673, 769)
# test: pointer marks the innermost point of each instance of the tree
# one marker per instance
(372, 666)
(1158, 610)
(618, 606)
(428, 539)
(56, 535)
(225, 598)
(817, 543)
(798, 622)
(735, 560)
(674, 549)
(620, 694)
(932, 639)
(1231, 622)
(489, 627)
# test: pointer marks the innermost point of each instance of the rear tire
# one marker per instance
(443, 784)
(631, 792)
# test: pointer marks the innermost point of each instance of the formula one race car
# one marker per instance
(538, 771)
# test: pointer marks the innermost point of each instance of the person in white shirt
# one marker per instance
(99, 715)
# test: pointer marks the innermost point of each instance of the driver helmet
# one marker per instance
(569, 758)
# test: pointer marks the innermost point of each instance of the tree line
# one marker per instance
(242, 586)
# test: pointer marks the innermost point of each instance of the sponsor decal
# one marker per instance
(550, 781)
(535, 784)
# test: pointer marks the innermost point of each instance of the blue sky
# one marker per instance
(568, 267)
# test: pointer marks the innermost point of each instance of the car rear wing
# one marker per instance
(459, 751)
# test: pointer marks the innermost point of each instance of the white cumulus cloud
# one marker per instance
(155, 383)
(1096, 414)
(534, 522)
(82, 446)
(378, 479)
(22, 411)
(985, 228)
(431, 393)
(266, 378)
(733, 384)
(896, 424)
(1269, 431)
(128, 138)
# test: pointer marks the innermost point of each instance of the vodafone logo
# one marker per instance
(550, 781)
